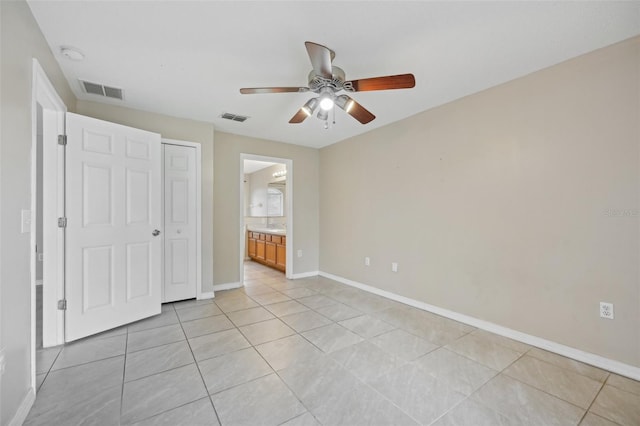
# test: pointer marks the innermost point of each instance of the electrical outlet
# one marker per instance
(299, 253)
(40, 257)
(606, 310)
(2, 362)
(367, 261)
(394, 267)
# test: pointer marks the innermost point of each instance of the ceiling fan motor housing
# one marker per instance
(336, 82)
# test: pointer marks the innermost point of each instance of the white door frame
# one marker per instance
(288, 208)
(54, 109)
(197, 146)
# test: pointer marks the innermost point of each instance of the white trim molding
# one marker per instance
(54, 110)
(558, 348)
(206, 295)
(305, 275)
(227, 286)
(24, 408)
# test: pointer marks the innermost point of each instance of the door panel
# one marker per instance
(138, 188)
(113, 203)
(180, 223)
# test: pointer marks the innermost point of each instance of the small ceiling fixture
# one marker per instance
(280, 173)
(71, 53)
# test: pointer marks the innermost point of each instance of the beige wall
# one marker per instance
(21, 41)
(502, 205)
(226, 228)
(180, 129)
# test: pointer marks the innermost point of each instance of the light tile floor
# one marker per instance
(314, 351)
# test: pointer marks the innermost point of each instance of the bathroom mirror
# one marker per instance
(264, 189)
(275, 199)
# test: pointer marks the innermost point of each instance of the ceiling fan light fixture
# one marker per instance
(326, 103)
(350, 104)
(310, 106)
(345, 102)
(327, 99)
(323, 114)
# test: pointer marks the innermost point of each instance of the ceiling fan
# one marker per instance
(327, 81)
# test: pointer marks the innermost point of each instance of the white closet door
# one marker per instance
(180, 227)
(113, 205)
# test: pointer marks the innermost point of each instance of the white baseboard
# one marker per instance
(226, 286)
(558, 348)
(24, 408)
(305, 275)
(206, 295)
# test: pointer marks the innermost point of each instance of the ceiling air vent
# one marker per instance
(101, 90)
(234, 117)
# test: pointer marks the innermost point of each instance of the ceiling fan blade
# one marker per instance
(354, 109)
(321, 58)
(257, 90)
(402, 81)
(299, 117)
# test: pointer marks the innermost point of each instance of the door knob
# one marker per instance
(155, 232)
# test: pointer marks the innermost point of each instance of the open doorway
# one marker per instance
(266, 236)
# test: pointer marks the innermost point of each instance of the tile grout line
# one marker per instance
(604, 382)
(46, 373)
(490, 380)
(195, 361)
(281, 379)
(124, 370)
(327, 354)
(274, 371)
(278, 289)
(338, 364)
(548, 393)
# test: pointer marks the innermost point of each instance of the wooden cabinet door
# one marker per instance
(252, 247)
(281, 256)
(260, 249)
(270, 256)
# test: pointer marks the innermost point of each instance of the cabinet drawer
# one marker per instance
(263, 237)
(284, 240)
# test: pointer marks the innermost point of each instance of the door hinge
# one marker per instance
(62, 222)
(62, 140)
(62, 305)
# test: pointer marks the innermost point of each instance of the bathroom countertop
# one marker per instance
(274, 231)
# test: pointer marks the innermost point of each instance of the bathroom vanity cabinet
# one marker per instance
(268, 249)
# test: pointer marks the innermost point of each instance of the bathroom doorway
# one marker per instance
(266, 213)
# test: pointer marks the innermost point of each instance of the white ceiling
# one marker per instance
(188, 59)
(252, 166)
